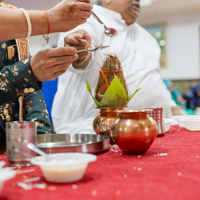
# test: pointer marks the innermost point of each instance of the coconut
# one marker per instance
(111, 66)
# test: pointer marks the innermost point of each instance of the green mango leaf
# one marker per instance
(115, 95)
(98, 104)
(130, 97)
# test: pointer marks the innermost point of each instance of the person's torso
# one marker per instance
(137, 51)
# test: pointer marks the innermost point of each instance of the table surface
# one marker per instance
(170, 169)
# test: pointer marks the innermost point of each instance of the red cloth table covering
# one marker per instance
(170, 169)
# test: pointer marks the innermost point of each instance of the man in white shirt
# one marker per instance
(73, 108)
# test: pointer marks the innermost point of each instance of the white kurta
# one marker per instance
(73, 107)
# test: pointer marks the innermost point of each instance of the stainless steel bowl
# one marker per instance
(81, 143)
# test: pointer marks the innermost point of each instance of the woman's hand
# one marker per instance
(71, 41)
(49, 64)
(65, 16)
(68, 14)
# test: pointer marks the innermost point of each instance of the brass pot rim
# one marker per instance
(132, 111)
(110, 107)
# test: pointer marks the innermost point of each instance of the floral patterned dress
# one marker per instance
(17, 79)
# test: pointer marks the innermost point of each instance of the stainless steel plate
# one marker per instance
(81, 143)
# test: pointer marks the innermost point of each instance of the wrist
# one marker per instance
(33, 63)
(29, 24)
(48, 22)
(39, 22)
(85, 60)
(83, 64)
(52, 21)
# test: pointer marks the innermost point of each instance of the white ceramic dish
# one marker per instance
(179, 118)
(70, 167)
(5, 174)
(191, 124)
(167, 123)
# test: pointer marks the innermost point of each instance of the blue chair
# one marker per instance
(49, 89)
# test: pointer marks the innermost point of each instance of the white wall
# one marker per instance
(183, 46)
(37, 43)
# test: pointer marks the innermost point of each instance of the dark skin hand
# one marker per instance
(51, 63)
(71, 41)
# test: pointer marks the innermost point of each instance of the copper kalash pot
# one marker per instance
(134, 131)
(103, 121)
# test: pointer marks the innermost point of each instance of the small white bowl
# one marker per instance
(179, 118)
(70, 167)
(191, 124)
(5, 174)
(167, 123)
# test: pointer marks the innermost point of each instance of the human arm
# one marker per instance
(174, 108)
(19, 78)
(181, 100)
(175, 111)
(65, 16)
(35, 110)
(171, 89)
(50, 63)
(179, 97)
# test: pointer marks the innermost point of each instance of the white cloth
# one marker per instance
(73, 107)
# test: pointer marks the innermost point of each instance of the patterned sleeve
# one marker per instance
(17, 80)
(35, 109)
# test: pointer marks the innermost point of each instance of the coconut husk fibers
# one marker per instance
(111, 64)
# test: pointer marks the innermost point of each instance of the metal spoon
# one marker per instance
(42, 153)
(111, 32)
(101, 47)
(91, 50)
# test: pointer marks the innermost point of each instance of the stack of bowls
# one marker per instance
(157, 114)
(190, 122)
